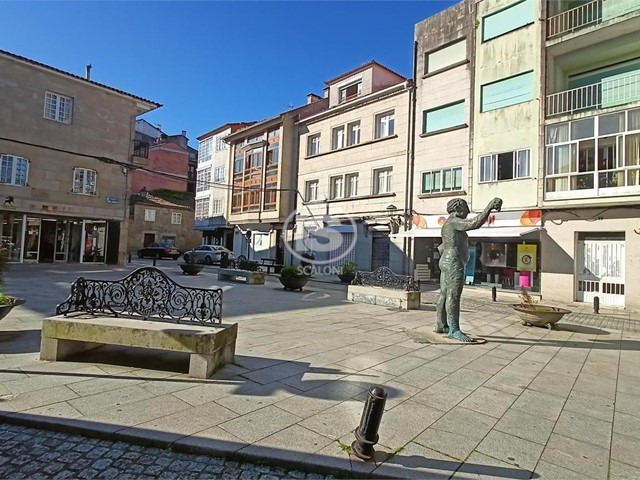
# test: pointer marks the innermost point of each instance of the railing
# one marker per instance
(588, 14)
(608, 93)
(140, 149)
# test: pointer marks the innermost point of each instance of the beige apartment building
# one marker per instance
(65, 146)
(262, 177)
(352, 170)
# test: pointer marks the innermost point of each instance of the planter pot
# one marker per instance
(540, 315)
(294, 283)
(346, 277)
(191, 268)
(5, 309)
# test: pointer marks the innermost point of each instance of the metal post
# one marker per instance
(129, 258)
(494, 293)
(367, 431)
(596, 304)
(154, 261)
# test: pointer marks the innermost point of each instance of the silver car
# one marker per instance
(208, 254)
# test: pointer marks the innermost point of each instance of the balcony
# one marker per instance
(591, 13)
(610, 92)
(140, 149)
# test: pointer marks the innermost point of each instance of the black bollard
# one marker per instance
(154, 261)
(367, 431)
(596, 304)
(494, 293)
(129, 258)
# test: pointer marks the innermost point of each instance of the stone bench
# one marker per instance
(383, 287)
(231, 274)
(145, 309)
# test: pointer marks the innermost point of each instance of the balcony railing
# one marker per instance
(140, 149)
(588, 14)
(610, 92)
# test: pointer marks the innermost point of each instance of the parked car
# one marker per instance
(159, 250)
(208, 254)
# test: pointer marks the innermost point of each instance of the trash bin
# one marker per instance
(224, 260)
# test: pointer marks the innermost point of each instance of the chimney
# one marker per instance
(184, 133)
(312, 98)
(325, 92)
(87, 73)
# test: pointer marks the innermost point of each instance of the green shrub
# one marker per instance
(293, 271)
(348, 267)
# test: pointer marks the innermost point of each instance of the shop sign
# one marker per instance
(527, 257)
(112, 200)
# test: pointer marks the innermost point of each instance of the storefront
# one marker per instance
(37, 239)
(503, 253)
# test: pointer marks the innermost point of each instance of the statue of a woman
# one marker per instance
(454, 255)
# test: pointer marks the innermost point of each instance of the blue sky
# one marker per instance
(212, 62)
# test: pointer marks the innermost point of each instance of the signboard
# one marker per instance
(527, 257)
(471, 266)
(112, 200)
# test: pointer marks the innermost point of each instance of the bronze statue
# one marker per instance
(454, 255)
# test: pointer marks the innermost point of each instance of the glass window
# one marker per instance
(201, 209)
(509, 91)
(204, 150)
(176, 218)
(633, 120)
(445, 56)
(608, 124)
(443, 118)
(382, 180)
(508, 19)
(84, 181)
(336, 187)
(385, 124)
(14, 170)
(558, 133)
(149, 215)
(353, 133)
(57, 107)
(203, 181)
(337, 138)
(350, 92)
(313, 144)
(582, 129)
(351, 185)
(505, 166)
(273, 154)
(445, 180)
(311, 191)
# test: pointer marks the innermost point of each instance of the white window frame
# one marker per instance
(385, 124)
(82, 181)
(12, 172)
(336, 187)
(441, 173)
(382, 181)
(201, 209)
(220, 174)
(353, 133)
(342, 91)
(149, 215)
(221, 144)
(203, 180)
(488, 166)
(313, 145)
(311, 190)
(217, 206)
(58, 107)
(351, 185)
(204, 150)
(176, 218)
(338, 137)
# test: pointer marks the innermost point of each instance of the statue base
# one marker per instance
(427, 335)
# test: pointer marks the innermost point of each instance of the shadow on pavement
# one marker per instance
(19, 341)
(342, 462)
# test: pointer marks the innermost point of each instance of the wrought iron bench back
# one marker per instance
(146, 292)
(384, 277)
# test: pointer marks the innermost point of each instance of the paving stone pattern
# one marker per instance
(42, 454)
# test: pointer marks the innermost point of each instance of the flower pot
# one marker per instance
(294, 283)
(540, 315)
(5, 309)
(346, 277)
(191, 268)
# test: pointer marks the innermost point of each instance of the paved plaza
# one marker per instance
(529, 403)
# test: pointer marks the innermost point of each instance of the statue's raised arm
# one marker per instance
(462, 223)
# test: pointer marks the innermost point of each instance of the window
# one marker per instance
(508, 19)
(84, 181)
(14, 170)
(201, 209)
(313, 145)
(445, 56)
(254, 158)
(336, 186)
(351, 182)
(509, 91)
(204, 150)
(257, 138)
(220, 174)
(445, 180)
(203, 180)
(57, 107)
(385, 124)
(220, 144)
(353, 133)
(311, 191)
(217, 205)
(382, 180)
(273, 133)
(176, 218)
(238, 162)
(337, 138)
(505, 166)
(273, 154)
(149, 215)
(444, 118)
(351, 91)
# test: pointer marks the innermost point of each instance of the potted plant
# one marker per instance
(190, 266)
(293, 277)
(348, 271)
(531, 313)
(7, 302)
(307, 255)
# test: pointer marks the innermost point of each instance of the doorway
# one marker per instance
(47, 240)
